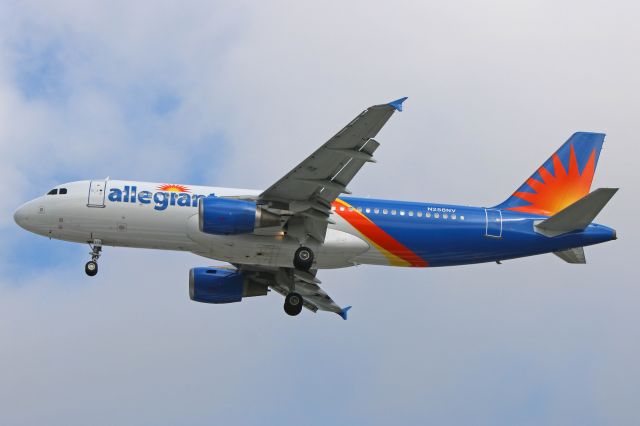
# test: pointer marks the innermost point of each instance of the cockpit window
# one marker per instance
(53, 192)
(62, 191)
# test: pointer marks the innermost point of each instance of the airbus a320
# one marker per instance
(280, 237)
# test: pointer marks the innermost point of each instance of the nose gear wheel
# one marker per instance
(91, 267)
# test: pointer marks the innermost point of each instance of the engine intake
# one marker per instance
(225, 216)
(214, 285)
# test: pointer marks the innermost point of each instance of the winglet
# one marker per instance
(343, 312)
(397, 104)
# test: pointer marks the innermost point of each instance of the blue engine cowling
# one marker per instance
(214, 285)
(225, 216)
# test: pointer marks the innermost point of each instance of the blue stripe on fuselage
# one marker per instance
(444, 242)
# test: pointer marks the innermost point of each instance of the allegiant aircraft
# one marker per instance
(280, 237)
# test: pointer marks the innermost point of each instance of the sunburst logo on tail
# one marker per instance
(553, 190)
(173, 188)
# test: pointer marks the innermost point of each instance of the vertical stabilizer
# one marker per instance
(561, 180)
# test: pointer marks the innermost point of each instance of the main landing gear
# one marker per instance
(91, 267)
(293, 304)
(302, 261)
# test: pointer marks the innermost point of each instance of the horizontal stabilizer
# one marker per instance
(578, 215)
(574, 255)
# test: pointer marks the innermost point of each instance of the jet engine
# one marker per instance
(226, 216)
(215, 285)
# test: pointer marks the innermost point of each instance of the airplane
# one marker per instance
(279, 238)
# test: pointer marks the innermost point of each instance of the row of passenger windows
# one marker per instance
(395, 212)
(57, 191)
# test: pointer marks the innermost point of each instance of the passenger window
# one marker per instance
(454, 217)
(461, 217)
(401, 212)
(445, 216)
(385, 211)
(427, 214)
(419, 214)
(53, 192)
(360, 209)
(341, 208)
(410, 212)
(376, 211)
(367, 210)
(63, 191)
(437, 215)
(333, 208)
(350, 208)
(393, 212)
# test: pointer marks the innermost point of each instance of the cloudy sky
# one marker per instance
(236, 93)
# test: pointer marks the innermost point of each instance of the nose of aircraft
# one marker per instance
(31, 217)
(21, 215)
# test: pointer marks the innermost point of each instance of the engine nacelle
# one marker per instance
(226, 216)
(214, 285)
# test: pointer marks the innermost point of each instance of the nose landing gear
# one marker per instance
(91, 267)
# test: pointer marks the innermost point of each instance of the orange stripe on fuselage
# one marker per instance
(396, 252)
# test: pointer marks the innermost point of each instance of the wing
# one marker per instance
(284, 280)
(307, 191)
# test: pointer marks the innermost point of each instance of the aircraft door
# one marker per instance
(97, 192)
(493, 223)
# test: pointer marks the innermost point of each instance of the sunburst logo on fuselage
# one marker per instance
(173, 188)
(558, 188)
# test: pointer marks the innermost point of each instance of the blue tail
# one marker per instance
(562, 180)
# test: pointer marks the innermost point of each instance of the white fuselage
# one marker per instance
(157, 216)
